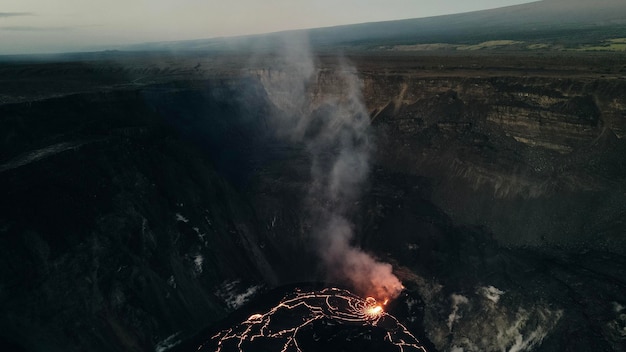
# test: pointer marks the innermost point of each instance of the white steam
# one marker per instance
(476, 322)
(336, 134)
(454, 315)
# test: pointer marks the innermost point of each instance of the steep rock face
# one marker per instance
(116, 232)
(548, 158)
(526, 166)
(535, 159)
(134, 214)
(536, 112)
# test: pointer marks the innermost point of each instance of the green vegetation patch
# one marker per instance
(491, 44)
(615, 44)
(538, 46)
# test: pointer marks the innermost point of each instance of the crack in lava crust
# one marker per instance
(301, 310)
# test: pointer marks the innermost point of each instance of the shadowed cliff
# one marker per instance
(139, 210)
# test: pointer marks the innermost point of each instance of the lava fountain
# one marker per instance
(328, 319)
(373, 310)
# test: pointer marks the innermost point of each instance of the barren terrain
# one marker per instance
(144, 195)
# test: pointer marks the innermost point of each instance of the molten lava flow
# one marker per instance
(300, 312)
(255, 317)
(372, 309)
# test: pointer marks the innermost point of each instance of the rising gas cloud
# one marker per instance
(336, 134)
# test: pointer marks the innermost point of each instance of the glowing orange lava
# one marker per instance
(255, 317)
(279, 325)
(372, 309)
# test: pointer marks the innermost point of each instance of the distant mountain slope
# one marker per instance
(543, 19)
(567, 21)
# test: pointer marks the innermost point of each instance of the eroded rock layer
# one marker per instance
(142, 201)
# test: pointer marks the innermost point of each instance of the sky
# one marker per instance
(41, 26)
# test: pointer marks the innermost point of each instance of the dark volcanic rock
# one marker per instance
(133, 211)
(115, 230)
(329, 319)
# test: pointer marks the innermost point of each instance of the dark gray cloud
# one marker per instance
(15, 14)
(32, 29)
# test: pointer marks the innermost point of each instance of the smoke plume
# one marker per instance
(335, 130)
